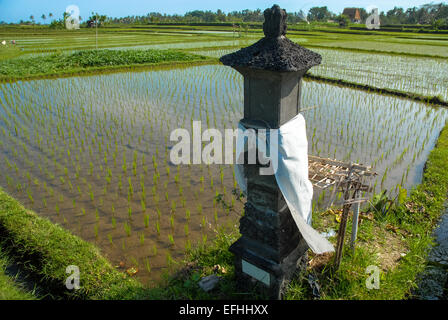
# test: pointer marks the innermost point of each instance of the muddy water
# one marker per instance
(92, 153)
(433, 283)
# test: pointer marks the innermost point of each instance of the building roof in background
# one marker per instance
(352, 13)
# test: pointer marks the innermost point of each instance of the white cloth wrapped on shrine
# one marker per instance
(291, 174)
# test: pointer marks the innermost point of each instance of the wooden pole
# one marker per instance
(355, 223)
(343, 224)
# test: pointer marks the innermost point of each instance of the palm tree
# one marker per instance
(44, 17)
(32, 18)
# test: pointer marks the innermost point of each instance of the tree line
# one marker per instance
(434, 14)
(199, 16)
(425, 14)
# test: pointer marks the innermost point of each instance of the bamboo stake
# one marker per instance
(343, 224)
(355, 223)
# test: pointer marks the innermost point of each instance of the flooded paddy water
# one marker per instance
(93, 153)
(425, 76)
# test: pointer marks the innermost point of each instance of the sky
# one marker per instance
(15, 10)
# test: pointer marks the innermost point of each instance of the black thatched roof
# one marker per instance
(274, 52)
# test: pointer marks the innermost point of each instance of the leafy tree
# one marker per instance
(319, 14)
(364, 14)
(343, 20)
(436, 24)
(425, 14)
(58, 24)
(96, 20)
(220, 15)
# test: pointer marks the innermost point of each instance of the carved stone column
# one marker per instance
(271, 245)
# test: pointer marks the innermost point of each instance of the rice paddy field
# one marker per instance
(92, 152)
(424, 76)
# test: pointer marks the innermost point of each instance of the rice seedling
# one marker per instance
(158, 227)
(130, 188)
(172, 222)
(127, 229)
(30, 196)
(146, 220)
(171, 239)
(169, 260)
(130, 213)
(154, 250)
(147, 265)
(215, 215)
(188, 245)
(134, 168)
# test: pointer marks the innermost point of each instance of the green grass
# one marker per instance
(201, 261)
(46, 250)
(414, 219)
(62, 63)
(10, 288)
(9, 52)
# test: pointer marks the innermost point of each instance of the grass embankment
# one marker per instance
(10, 289)
(45, 250)
(373, 51)
(90, 61)
(393, 92)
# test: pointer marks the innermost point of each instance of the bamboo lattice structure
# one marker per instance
(347, 178)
